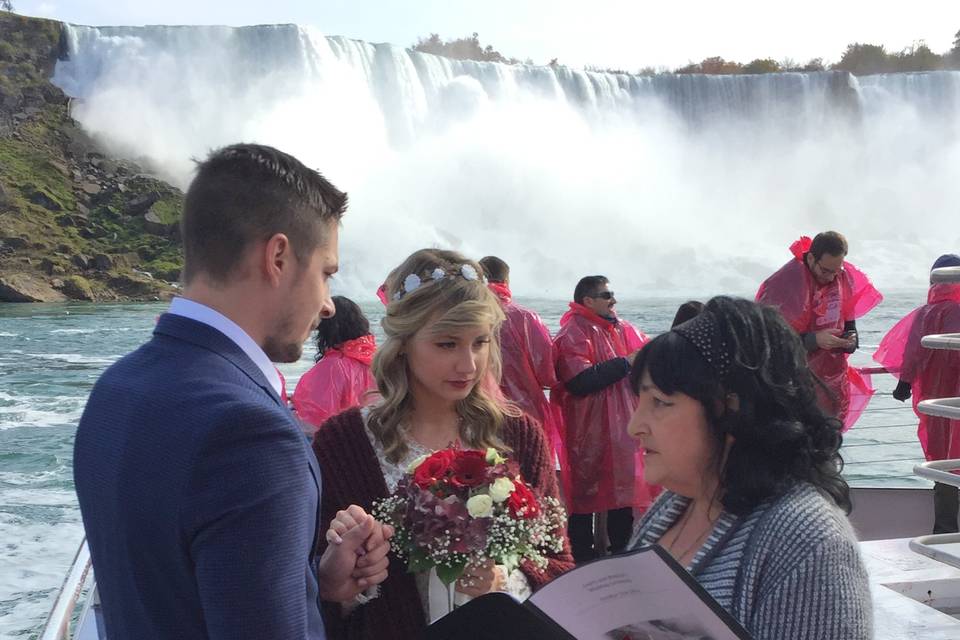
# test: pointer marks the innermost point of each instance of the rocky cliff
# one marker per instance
(75, 224)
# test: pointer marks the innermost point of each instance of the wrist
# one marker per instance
(499, 578)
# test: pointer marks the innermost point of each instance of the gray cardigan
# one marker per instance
(791, 568)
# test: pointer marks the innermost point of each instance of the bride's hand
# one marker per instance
(478, 579)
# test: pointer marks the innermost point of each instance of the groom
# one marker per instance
(199, 493)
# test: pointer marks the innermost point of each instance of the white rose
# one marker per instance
(494, 457)
(480, 506)
(416, 463)
(501, 488)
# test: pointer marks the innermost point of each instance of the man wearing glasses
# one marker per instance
(821, 296)
(603, 471)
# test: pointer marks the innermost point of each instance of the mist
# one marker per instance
(670, 184)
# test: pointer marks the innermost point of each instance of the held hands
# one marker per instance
(480, 579)
(831, 339)
(356, 556)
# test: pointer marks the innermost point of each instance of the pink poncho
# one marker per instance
(932, 373)
(810, 307)
(604, 467)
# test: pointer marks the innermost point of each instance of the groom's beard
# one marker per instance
(280, 345)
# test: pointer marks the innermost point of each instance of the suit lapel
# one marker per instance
(206, 337)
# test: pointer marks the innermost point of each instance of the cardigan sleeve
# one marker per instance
(351, 475)
(530, 450)
(823, 597)
(328, 446)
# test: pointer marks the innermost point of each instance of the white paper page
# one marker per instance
(634, 597)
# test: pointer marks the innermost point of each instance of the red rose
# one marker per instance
(522, 502)
(469, 469)
(432, 470)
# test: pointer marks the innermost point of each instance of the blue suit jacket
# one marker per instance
(199, 495)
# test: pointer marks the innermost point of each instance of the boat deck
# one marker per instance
(913, 595)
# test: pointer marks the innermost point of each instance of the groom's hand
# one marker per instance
(356, 557)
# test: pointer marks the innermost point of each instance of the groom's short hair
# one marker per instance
(246, 193)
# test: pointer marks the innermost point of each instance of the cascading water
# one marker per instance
(680, 183)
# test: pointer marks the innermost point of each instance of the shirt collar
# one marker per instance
(210, 317)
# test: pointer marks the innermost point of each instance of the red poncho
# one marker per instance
(528, 364)
(338, 382)
(605, 466)
(810, 307)
(932, 373)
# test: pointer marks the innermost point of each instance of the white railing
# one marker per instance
(58, 623)
(944, 547)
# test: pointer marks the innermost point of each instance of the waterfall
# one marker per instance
(671, 182)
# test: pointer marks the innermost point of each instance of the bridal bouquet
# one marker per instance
(461, 506)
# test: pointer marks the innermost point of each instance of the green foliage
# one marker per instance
(8, 52)
(30, 171)
(762, 65)
(862, 59)
(859, 59)
(462, 49)
(917, 57)
(78, 288)
(865, 59)
(449, 574)
(714, 66)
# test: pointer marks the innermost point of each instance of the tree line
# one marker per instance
(858, 59)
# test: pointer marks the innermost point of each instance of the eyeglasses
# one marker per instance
(604, 295)
(826, 271)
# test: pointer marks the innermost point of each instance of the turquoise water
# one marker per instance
(50, 356)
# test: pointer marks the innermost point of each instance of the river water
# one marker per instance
(51, 355)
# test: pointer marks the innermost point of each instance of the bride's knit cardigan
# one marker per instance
(351, 475)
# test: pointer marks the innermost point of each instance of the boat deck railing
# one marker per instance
(58, 625)
(882, 447)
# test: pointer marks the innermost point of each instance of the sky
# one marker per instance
(620, 34)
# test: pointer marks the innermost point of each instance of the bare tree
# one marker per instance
(6, 5)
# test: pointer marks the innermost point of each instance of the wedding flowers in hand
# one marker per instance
(461, 506)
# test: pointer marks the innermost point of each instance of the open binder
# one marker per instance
(642, 595)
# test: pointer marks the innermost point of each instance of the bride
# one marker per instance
(437, 373)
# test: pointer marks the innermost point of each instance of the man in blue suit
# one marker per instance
(199, 492)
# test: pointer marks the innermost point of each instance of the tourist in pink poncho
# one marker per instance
(527, 352)
(604, 471)
(930, 373)
(821, 295)
(341, 378)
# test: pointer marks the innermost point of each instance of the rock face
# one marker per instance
(73, 220)
(24, 287)
(77, 288)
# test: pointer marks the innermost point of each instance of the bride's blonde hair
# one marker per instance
(456, 300)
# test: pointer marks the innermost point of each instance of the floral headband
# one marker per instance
(413, 282)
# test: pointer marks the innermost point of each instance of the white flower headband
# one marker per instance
(413, 282)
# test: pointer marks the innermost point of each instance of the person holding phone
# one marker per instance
(821, 295)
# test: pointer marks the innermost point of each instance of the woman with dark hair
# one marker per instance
(341, 377)
(686, 311)
(754, 503)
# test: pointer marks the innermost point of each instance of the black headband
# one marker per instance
(703, 332)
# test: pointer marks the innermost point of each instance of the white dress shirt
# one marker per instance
(202, 313)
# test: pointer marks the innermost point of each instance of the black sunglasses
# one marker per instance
(605, 295)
